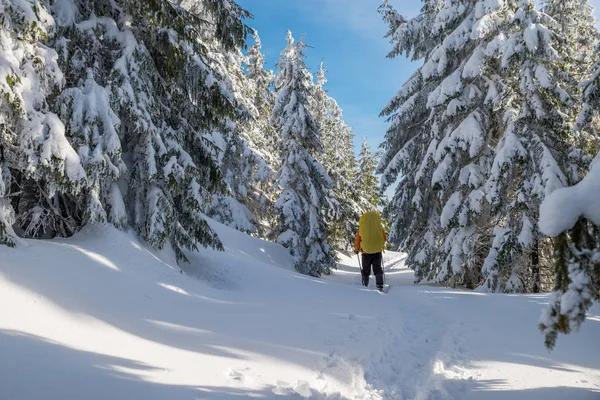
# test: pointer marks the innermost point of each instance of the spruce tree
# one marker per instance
(305, 185)
(481, 136)
(339, 161)
(571, 216)
(235, 152)
(247, 148)
(577, 284)
(536, 155)
(366, 179)
(443, 122)
(264, 137)
(124, 97)
(167, 94)
(42, 173)
(93, 128)
(578, 34)
(412, 212)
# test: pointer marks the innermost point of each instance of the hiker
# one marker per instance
(370, 240)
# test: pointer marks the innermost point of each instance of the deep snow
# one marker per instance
(101, 316)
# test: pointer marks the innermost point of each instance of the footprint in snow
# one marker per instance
(301, 388)
(238, 375)
(282, 388)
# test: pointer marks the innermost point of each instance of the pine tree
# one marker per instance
(575, 24)
(265, 139)
(167, 94)
(577, 37)
(122, 134)
(414, 217)
(339, 161)
(93, 128)
(264, 136)
(577, 264)
(535, 156)
(443, 121)
(41, 171)
(248, 148)
(304, 182)
(236, 152)
(366, 179)
(492, 142)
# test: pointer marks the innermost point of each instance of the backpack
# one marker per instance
(371, 233)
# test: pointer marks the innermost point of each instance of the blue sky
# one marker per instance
(347, 35)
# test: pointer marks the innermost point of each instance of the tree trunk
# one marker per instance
(470, 281)
(535, 268)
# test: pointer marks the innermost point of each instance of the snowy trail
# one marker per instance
(431, 349)
(410, 348)
(101, 316)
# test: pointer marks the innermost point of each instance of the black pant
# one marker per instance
(375, 261)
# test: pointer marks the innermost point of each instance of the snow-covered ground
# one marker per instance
(100, 316)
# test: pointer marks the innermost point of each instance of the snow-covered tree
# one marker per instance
(366, 179)
(590, 111)
(168, 93)
(106, 112)
(340, 163)
(481, 135)
(535, 156)
(464, 106)
(305, 185)
(572, 215)
(234, 150)
(41, 171)
(265, 139)
(443, 121)
(577, 36)
(247, 148)
(7, 215)
(575, 25)
(413, 214)
(93, 129)
(264, 136)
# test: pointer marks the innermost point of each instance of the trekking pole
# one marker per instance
(383, 269)
(362, 278)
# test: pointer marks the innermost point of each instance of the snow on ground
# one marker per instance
(100, 316)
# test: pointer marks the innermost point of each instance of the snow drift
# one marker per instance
(101, 315)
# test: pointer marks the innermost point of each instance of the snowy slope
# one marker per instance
(100, 316)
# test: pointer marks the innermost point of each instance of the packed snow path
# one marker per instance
(438, 343)
(100, 316)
